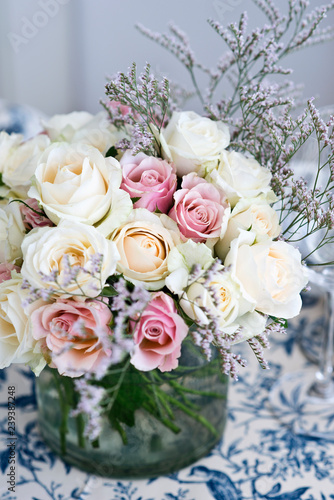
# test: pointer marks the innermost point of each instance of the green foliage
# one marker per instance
(112, 152)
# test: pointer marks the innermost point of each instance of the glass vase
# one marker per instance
(189, 423)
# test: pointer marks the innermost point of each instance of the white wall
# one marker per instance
(56, 54)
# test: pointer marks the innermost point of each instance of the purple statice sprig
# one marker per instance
(251, 56)
(178, 44)
(55, 287)
(257, 54)
(127, 305)
(148, 103)
(210, 336)
(89, 405)
(257, 345)
(307, 207)
(260, 342)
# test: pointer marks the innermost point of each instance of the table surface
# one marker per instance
(259, 457)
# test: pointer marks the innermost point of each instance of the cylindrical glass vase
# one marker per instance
(195, 410)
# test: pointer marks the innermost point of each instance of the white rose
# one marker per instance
(17, 343)
(144, 243)
(21, 164)
(75, 182)
(271, 274)
(8, 144)
(12, 232)
(45, 250)
(240, 177)
(193, 142)
(232, 310)
(79, 126)
(250, 214)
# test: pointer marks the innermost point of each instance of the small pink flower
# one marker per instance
(200, 210)
(115, 105)
(71, 333)
(151, 179)
(5, 271)
(158, 335)
(30, 218)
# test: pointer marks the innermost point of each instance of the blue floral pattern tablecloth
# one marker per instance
(258, 457)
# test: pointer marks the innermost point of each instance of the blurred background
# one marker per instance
(56, 55)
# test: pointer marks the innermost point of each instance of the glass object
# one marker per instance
(152, 449)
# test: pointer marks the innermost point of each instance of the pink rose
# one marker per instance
(151, 179)
(6, 271)
(200, 210)
(158, 335)
(32, 219)
(75, 334)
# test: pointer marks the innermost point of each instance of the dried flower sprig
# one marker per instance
(147, 100)
(89, 405)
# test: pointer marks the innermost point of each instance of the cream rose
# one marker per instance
(232, 310)
(144, 243)
(271, 274)
(8, 144)
(47, 249)
(193, 142)
(79, 126)
(21, 164)
(75, 182)
(240, 177)
(17, 343)
(250, 214)
(12, 232)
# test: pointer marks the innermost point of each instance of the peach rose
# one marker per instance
(144, 243)
(158, 335)
(70, 333)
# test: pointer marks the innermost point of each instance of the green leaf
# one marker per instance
(131, 396)
(112, 152)
(109, 291)
(281, 321)
(134, 200)
(1, 181)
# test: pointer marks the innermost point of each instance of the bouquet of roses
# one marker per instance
(126, 234)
